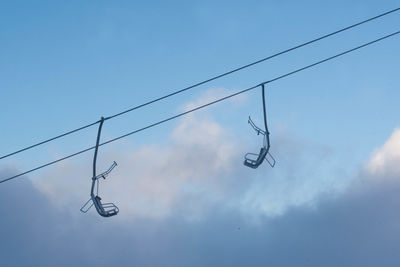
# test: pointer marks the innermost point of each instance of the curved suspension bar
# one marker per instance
(265, 118)
(95, 156)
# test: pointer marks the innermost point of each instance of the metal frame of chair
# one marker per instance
(253, 160)
(103, 209)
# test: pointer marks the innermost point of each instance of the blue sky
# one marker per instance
(82, 61)
(64, 65)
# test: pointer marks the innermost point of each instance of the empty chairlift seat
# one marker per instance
(105, 209)
(254, 163)
(253, 160)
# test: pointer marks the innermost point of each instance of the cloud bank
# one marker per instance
(359, 227)
(195, 206)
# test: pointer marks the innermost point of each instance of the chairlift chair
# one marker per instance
(103, 209)
(253, 160)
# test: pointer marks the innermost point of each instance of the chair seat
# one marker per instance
(105, 209)
(255, 163)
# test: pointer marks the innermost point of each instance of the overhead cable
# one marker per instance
(205, 105)
(204, 82)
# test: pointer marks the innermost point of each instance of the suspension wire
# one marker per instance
(204, 82)
(205, 105)
(254, 63)
(49, 140)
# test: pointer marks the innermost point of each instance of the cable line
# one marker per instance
(205, 81)
(205, 105)
(49, 140)
(255, 62)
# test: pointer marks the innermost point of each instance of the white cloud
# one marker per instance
(385, 161)
(304, 172)
(185, 173)
(359, 226)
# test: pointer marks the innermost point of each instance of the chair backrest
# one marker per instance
(255, 163)
(100, 207)
(263, 153)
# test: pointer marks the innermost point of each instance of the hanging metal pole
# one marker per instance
(265, 115)
(97, 146)
(95, 157)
